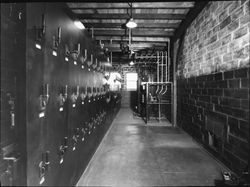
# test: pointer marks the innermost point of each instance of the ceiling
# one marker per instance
(157, 22)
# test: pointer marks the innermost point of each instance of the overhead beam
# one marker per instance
(142, 5)
(135, 16)
(134, 43)
(134, 46)
(161, 33)
(138, 39)
(139, 25)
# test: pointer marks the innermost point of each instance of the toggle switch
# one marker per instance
(74, 138)
(90, 126)
(83, 134)
(11, 102)
(77, 133)
(61, 153)
(74, 96)
(12, 166)
(65, 143)
(42, 169)
(42, 172)
(61, 101)
(12, 114)
(47, 158)
(43, 100)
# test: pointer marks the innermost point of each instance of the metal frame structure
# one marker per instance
(162, 86)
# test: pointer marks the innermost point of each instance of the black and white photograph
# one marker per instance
(125, 93)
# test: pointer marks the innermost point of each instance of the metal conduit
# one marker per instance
(162, 68)
(167, 73)
(157, 62)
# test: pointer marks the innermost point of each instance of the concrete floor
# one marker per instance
(133, 154)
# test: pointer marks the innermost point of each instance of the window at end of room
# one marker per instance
(131, 81)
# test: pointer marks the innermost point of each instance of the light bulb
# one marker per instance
(54, 53)
(131, 24)
(79, 24)
(38, 46)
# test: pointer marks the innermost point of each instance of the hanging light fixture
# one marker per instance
(131, 23)
(79, 24)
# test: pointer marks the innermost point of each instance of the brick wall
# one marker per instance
(213, 81)
(217, 40)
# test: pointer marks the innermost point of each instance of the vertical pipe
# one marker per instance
(162, 66)
(79, 47)
(43, 24)
(59, 33)
(162, 61)
(157, 72)
(111, 55)
(166, 73)
(168, 60)
(166, 66)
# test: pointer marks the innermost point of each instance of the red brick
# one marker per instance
(234, 45)
(241, 93)
(215, 100)
(247, 7)
(233, 121)
(204, 92)
(233, 64)
(212, 39)
(237, 13)
(230, 102)
(234, 25)
(240, 54)
(240, 73)
(223, 15)
(214, 46)
(227, 57)
(226, 22)
(234, 5)
(204, 98)
(216, 29)
(228, 92)
(245, 19)
(226, 4)
(217, 116)
(210, 92)
(240, 147)
(245, 83)
(222, 84)
(218, 76)
(240, 32)
(235, 83)
(239, 113)
(245, 104)
(244, 124)
(223, 109)
(244, 63)
(228, 75)
(218, 92)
